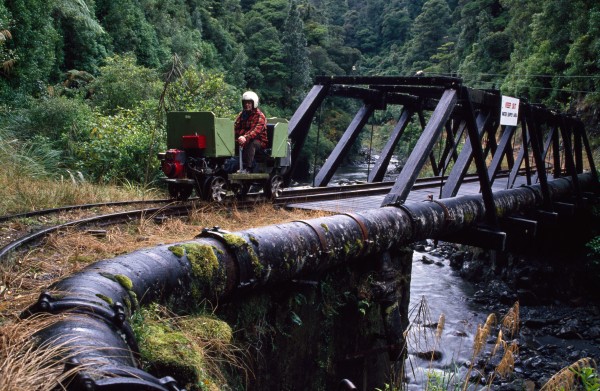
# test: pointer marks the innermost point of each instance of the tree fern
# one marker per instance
(78, 10)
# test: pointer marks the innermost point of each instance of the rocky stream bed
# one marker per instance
(558, 308)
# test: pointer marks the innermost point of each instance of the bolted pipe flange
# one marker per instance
(242, 251)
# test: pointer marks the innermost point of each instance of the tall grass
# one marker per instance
(25, 364)
(30, 179)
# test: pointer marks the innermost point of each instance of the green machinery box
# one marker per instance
(217, 131)
(278, 138)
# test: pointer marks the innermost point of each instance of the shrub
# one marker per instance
(122, 146)
(202, 91)
(124, 84)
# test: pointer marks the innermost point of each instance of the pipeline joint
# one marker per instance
(120, 378)
(246, 259)
(320, 235)
(363, 229)
(447, 216)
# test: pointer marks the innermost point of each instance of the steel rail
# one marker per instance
(42, 212)
(117, 217)
(358, 190)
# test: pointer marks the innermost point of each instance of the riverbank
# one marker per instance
(559, 318)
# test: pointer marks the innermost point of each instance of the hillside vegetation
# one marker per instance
(84, 84)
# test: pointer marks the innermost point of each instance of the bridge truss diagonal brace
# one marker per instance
(501, 151)
(422, 149)
(477, 151)
(300, 122)
(536, 148)
(344, 145)
(388, 150)
(465, 157)
(523, 155)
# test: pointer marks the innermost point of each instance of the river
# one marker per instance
(437, 290)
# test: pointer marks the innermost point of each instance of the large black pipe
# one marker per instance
(217, 264)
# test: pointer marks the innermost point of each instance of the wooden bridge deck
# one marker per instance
(356, 204)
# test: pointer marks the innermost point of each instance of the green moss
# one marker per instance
(203, 260)
(124, 281)
(234, 240)
(134, 303)
(325, 227)
(207, 328)
(167, 350)
(127, 303)
(208, 277)
(346, 248)
(81, 259)
(177, 347)
(105, 298)
(239, 242)
(359, 244)
(177, 250)
(391, 308)
(109, 276)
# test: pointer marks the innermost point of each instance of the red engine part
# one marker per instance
(194, 142)
(173, 165)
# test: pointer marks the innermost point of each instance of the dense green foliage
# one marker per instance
(78, 74)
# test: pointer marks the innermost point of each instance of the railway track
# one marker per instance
(297, 195)
(69, 208)
(288, 196)
(97, 221)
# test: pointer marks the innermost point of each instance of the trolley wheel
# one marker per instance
(274, 186)
(215, 189)
(180, 192)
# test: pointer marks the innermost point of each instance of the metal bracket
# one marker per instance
(247, 276)
(115, 314)
(447, 216)
(363, 228)
(317, 230)
(118, 378)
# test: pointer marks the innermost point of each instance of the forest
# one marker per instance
(84, 84)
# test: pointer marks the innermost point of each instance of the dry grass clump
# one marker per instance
(483, 332)
(566, 378)
(511, 320)
(26, 365)
(28, 194)
(440, 326)
(507, 363)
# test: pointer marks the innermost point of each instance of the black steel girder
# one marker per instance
(300, 122)
(422, 149)
(501, 151)
(388, 150)
(464, 159)
(343, 146)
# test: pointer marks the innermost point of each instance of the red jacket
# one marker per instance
(252, 125)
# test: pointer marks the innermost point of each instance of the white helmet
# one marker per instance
(249, 95)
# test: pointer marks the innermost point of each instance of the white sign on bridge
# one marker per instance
(509, 111)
